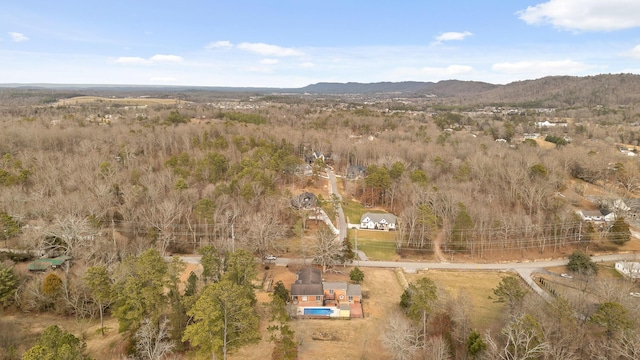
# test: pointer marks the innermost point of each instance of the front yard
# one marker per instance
(376, 244)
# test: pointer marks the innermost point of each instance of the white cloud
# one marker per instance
(166, 58)
(268, 50)
(635, 52)
(131, 60)
(449, 36)
(541, 68)
(307, 64)
(18, 37)
(584, 15)
(223, 44)
(269, 61)
(135, 60)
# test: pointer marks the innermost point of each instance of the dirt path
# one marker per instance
(437, 247)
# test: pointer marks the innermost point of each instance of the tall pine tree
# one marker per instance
(224, 319)
(619, 233)
(462, 228)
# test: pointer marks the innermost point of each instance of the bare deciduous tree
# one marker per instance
(70, 235)
(152, 341)
(400, 337)
(327, 248)
(627, 347)
(261, 229)
(523, 339)
(437, 348)
(461, 310)
(162, 218)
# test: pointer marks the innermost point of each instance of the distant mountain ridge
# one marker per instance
(442, 88)
(367, 88)
(551, 91)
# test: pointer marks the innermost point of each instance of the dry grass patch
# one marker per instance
(29, 327)
(477, 287)
(545, 144)
(79, 100)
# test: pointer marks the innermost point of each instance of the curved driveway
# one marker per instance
(342, 223)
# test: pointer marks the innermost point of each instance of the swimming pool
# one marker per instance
(317, 311)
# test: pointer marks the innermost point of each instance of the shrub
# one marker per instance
(581, 263)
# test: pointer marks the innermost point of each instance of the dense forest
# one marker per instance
(119, 184)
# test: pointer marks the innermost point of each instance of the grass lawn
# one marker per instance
(353, 211)
(477, 287)
(377, 245)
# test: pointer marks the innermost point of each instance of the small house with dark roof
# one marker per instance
(304, 170)
(307, 289)
(378, 221)
(306, 200)
(355, 172)
(310, 159)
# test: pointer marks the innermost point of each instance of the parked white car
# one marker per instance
(270, 257)
(565, 275)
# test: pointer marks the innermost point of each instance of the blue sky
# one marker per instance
(293, 43)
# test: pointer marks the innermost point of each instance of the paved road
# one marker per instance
(524, 269)
(342, 223)
(413, 266)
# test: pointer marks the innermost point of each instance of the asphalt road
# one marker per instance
(342, 223)
(524, 269)
(467, 266)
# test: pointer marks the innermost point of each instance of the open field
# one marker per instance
(139, 101)
(475, 286)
